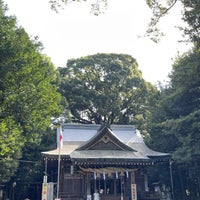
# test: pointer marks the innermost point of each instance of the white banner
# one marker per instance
(133, 192)
(44, 191)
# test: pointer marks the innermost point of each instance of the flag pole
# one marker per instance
(59, 150)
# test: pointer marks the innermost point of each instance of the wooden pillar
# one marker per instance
(146, 183)
(133, 187)
(88, 185)
(132, 177)
(95, 185)
(115, 187)
(105, 186)
(122, 186)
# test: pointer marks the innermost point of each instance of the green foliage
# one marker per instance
(190, 15)
(7, 170)
(28, 93)
(31, 167)
(178, 106)
(175, 121)
(106, 88)
(159, 10)
(10, 138)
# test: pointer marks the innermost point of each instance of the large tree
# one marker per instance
(28, 93)
(106, 88)
(175, 123)
(179, 107)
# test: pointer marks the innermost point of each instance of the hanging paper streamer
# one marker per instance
(127, 175)
(95, 175)
(104, 175)
(117, 175)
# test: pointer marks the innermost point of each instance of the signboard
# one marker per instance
(44, 191)
(133, 192)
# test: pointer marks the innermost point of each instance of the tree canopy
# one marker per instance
(101, 88)
(28, 93)
(175, 122)
(105, 88)
(179, 107)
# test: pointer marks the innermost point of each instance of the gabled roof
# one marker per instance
(105, 139)
(94, 142)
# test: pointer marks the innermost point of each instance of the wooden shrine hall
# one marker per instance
(100, 162)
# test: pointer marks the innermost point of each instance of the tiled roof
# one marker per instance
(77, 136)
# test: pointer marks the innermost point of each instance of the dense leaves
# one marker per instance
(28, 93)
(186, 99)
(176, 122)
(192, 16)
(102, 88)
(106, 88)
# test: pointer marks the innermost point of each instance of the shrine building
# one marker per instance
(100, 162)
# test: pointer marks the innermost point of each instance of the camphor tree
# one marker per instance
(106, 88)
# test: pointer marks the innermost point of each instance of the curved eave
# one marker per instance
(56, 152)
(160, 158)
(66, 150)
(55, 157)
(143, 149)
